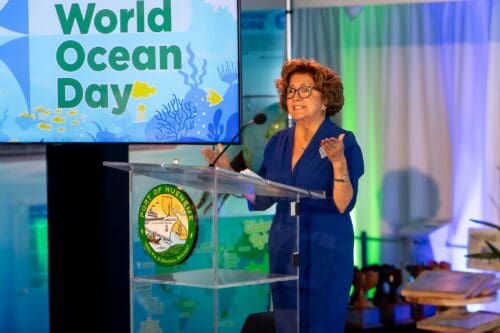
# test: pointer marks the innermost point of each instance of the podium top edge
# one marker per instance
(229, 177)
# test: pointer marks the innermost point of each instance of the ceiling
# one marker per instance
(273, 4)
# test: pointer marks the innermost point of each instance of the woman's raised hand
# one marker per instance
(210, 156)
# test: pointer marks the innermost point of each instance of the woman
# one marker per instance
(311, 93)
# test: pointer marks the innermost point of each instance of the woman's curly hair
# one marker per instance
(326, 81)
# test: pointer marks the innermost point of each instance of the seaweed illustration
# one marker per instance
(216, 129)
(195, 82)
(196, 95)
(174, 120)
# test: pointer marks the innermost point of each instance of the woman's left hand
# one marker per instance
(334, 148)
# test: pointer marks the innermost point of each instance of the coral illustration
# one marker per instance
(228, 73)
(174, 120)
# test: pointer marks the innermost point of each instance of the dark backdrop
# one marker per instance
(88, 238)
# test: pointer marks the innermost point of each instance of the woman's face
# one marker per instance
(304, 108)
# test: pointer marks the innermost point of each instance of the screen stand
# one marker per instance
(88, 238)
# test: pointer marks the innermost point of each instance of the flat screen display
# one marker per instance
(138, 71)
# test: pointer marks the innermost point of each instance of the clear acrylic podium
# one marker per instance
(226, 277)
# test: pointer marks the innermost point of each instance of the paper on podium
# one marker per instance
(250, 173)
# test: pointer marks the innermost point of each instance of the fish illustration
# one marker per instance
(213, 97)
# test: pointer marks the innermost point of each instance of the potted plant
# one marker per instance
(494, 252)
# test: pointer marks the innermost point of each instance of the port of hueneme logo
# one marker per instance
(168, 224)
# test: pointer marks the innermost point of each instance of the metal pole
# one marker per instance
(288, 39)
(364, 251)
(288, 31)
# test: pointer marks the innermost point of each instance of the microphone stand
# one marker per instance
(230, 143)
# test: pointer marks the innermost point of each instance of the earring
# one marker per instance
(323, 109)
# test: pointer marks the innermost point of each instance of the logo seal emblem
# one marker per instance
(168, 224)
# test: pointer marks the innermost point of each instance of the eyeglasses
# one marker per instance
(304, 91)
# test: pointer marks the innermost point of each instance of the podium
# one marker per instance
(198, 260)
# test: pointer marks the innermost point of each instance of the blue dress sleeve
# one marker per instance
(355, 168)
(355, 165)
(263, 202)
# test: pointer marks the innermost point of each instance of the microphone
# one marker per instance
(258, 119)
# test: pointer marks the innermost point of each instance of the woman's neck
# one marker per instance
(306, 129)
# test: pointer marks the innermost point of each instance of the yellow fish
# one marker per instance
(42, 110)
(58, 119)
(213, 97)
(142, 89)
(45, 126)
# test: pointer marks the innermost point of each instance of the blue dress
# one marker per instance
(326, 235)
